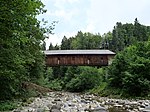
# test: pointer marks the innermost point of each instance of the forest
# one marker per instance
(127, 76)
(22, 40)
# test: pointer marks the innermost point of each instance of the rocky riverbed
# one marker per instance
(75, 102)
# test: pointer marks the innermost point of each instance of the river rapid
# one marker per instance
(76, 102)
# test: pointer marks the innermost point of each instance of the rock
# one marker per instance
(142, 106)
(147, 109)
(38, 110)
(16, 111)
(73, 102)
(58, 107)
(49, 106)
(46, 108)
(58, 99)
(97, 109)
(118, 106)
(85, 101)
(134, 103)
(141, 109)
(146, 104)
(55, 110)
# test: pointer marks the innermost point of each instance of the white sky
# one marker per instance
(95, 16)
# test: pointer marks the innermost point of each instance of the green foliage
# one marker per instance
(122, 36)
(21, 36)
(87, 79)
(128, 34)
(49, 74)
(66, 43)
(52, 80)
(82, 41)
(99, 89)
(130, 70)
(71, 73)
(51, 47)
(28, 94)
(59, 71)
(75, 79)
(55, 84)
(8, 105)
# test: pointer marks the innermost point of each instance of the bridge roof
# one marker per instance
(61, 52)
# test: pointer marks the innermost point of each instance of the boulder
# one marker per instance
(58, 107)
(55, 110)
(97, 109)
(147, 109)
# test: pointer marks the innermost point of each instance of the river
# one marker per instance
(77, 102)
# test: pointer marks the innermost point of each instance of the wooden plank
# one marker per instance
(88, 60)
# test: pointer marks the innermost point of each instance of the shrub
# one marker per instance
(7, 105)
(130, 70)
(87, 78)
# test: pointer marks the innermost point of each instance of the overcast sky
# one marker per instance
(95, 16)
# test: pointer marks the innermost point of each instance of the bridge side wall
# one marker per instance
(81, 60)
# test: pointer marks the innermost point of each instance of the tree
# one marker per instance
(65, 43)
(86, 41)
(44, 45)
(56, 47)
(130, 70)
(51, 47)
(107, 41)
(21, 58)
(87, 78)
(118, 37)
(124, 35)
(140, 31)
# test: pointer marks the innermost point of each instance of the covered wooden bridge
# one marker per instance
(79, 57)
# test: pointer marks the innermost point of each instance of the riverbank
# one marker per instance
(76, 102)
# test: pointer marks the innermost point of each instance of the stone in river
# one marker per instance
(58, 107)
(55, 110)
(97, 109)
(147, 109)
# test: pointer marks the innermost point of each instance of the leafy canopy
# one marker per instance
(130, 70)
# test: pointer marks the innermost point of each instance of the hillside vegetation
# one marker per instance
(129, 74)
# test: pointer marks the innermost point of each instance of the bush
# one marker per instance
(87, 78)
(7, 105)
(99, 89)
(55, 84)
(130, 70)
